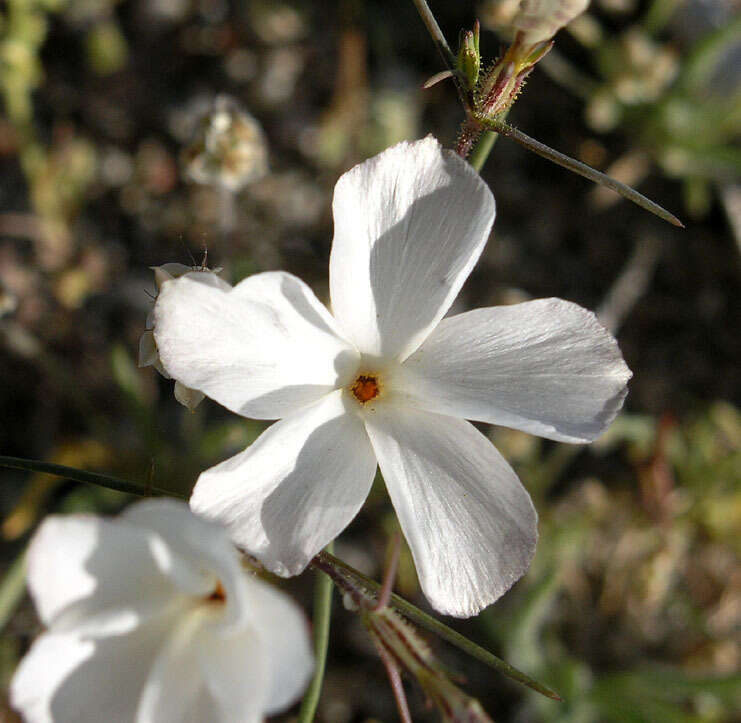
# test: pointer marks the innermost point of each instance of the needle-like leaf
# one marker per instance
(580, 168)
(79, 475)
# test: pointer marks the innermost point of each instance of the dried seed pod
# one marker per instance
(229, 150)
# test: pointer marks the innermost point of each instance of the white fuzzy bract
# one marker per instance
(386, 380)
(151, 619)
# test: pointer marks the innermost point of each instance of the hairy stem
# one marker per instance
(325, 560)
(481, 150)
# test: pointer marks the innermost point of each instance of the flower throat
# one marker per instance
(365, 388)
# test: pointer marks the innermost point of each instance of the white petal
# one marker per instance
(65, 679)
(96, 574)
(198, 552)
(547, 367)
(287, 644)
(38, 679)
(175, 683)
(236, 673)
(410, 224)
(200, 676)
(469, 522)
(295, 488)
(263, 349)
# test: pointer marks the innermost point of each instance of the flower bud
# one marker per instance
(541, 19)
(469, 58)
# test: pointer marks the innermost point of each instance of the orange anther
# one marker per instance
(365, 388)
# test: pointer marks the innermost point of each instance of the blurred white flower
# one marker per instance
(153, 620)
(387, 380)
(229, 150)
(148, 355)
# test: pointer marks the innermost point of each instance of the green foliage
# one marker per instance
(682, 108)
(649, 568)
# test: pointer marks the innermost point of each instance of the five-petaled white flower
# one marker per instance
(153, 620)
(388, 380)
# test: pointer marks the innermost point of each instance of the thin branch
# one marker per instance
(387, 587)
(435, 33)
(631, 284)
(442, 46)
(397, 687)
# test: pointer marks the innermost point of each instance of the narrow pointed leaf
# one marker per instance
(140, 489)
(435, 79)
(581, 169)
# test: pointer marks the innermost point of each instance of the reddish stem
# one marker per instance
(387, 587)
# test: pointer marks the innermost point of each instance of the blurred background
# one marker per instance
(142, 132)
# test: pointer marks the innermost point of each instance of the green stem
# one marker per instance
(481, 150)
(435, 626)
(441, 43)
(437, 35)
(12, 588)
(79, 475)
(323, 588)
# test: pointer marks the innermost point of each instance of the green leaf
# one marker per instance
(139, 489)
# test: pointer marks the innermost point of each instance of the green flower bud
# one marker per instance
(469, 58)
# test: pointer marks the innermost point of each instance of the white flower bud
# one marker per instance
(542, 19)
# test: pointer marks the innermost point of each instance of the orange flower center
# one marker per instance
(218, 595)
(365, 388)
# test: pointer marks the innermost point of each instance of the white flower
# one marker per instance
(148, 354)
(153, 620)
(386, 380)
